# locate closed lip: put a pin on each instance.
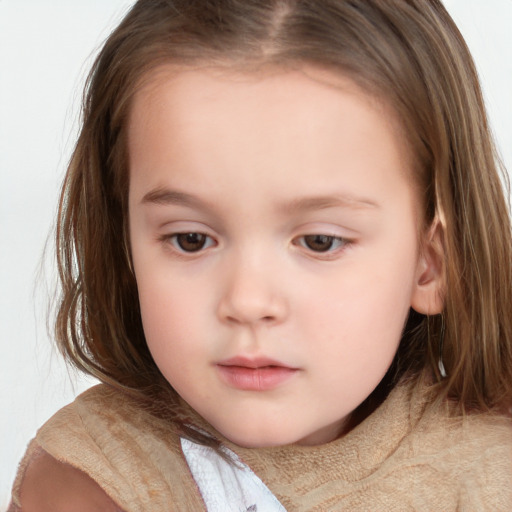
(254, 373)
(254, 362)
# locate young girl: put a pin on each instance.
(284, 249)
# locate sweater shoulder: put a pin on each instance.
(52, 486)
(471, 434)
(133, 456)
(472, 454)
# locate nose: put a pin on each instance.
(251, 294)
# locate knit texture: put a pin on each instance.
(405, 456)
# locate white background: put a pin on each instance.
(46, 48)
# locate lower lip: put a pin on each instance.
(255, 379)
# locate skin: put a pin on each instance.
(53, 486)
(256, 164)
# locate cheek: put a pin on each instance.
(357, 337)
(167, 333)
(178, 335)
(165, 310)
(165, 296)
(364, 310)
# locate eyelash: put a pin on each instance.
(174, 241)
(334, 244)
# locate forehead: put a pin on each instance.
(303, 87)
(213, 118)
(307, 89)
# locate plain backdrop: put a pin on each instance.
(46, 48)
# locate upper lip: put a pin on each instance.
(252, 362)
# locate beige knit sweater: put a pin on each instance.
(400, 458)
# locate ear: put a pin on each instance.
(429, 287)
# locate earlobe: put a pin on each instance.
(429, 287)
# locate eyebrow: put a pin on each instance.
(165, 196)
(334, 201)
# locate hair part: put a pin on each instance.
(408, 53)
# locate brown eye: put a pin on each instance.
(190, 242)
(322, 243)
(319, 243)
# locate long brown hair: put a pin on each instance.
(410, 54)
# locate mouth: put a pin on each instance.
(254, 374)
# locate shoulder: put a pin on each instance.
(106, 433)
(107, 443)
(97, 420)
(487, 439)
(439, 429)
(478, 434)
(472, 452)
(467, 459)
(53, 486)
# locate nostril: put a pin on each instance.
(251, 305)
(265, 319)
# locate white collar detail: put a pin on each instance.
(225, 486)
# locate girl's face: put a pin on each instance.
(274, 229)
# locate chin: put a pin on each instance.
(251, 438)
(263, 442)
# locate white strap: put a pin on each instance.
(225, 486)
